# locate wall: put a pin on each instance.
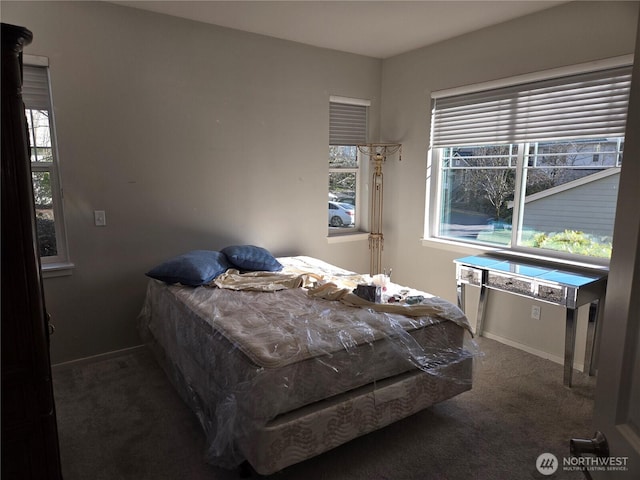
(189, 136)
(616, 412)
(177, 129)
(572, 33)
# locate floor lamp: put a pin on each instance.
(378, 153)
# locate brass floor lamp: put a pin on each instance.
(378, 152)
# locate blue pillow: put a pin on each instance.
(251, 258)
(194, 268)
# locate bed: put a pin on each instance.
(279, 374)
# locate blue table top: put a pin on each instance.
(564, 276)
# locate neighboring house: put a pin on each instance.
(547, 211)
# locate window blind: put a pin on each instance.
(347, 124)
(587, 105)
(35, 87)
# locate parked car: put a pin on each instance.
(498, 224)
(350, 200)
(341, 214)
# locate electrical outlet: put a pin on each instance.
(100, 218)
(535, 312)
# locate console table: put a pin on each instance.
(568, 287)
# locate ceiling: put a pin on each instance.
(377, 29)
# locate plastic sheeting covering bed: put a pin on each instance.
(278, 377)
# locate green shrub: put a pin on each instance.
(570, 241)
(46, 237)
(573, 241)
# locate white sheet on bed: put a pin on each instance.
(240, 358)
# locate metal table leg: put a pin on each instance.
(569, 345)
(460, 292)
(481, 306)
(592, 328)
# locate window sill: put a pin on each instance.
(62, 269)
(348, 237)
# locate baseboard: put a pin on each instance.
(95, 358)
(533, 351)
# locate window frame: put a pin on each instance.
(58, 264)
(434, 180)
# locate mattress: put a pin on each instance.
(245, 361)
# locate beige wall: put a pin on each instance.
(574, 33)
(189, 136)
(193, 136)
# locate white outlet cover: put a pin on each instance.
(535, 312)
(100, 218)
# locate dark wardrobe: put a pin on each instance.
(29, 432)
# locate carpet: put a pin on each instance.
(119, 418)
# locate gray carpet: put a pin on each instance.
(120, 419)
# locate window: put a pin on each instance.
(531, 167)
(44, 166)
(347, 129)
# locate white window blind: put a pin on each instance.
(35, 88)
(586, 105)
(347, 124)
